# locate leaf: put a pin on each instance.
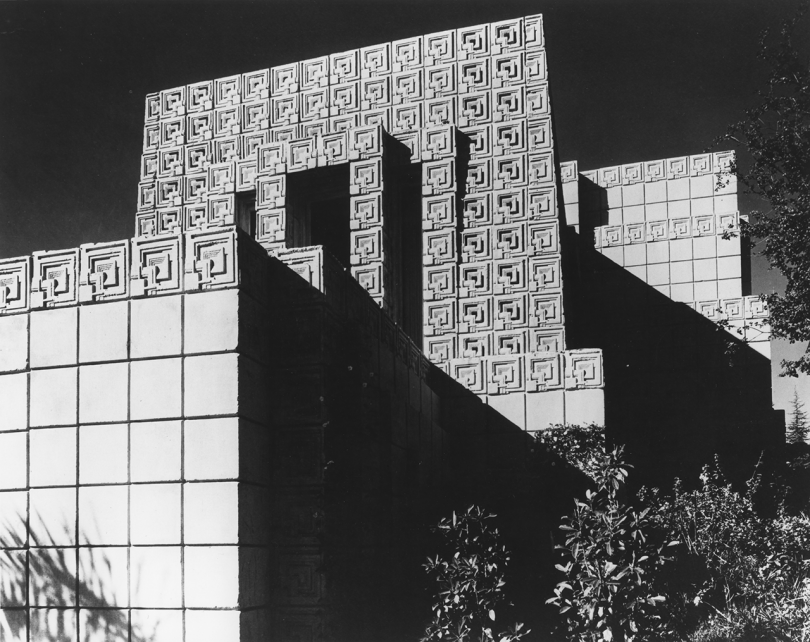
(492, 615)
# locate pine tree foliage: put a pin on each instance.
(776, 135)
(797, 428)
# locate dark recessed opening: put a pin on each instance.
(318, 210)
(318, 207)
(410, 199)
(329, 226)
(246, 211)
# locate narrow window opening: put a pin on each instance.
(246, 212)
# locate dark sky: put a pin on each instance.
(630, 81)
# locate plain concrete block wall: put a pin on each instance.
(211, 513)
(584, 407)
(156, 576)
(13, 460)
(211, 322)
(104, 332)
(103, 391)
(54, 397)
(159, 626)
(211, 449)
(104, 454)
(13, 401)
(155, 514)
(52, 516)
(156, 389)
(157, 329)
(121, 452)
(211, 576)
(155, 451)
(52, 457)
(211, 385)
(54, 337)
(14, 343)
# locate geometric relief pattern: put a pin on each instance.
(103, 271)
(53, 278)
(120, 269)
(15, 283)
(156, 265)
(674, 223)
(210, 260)
(471, 105)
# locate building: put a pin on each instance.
(356, 283)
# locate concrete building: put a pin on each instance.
(356, 283)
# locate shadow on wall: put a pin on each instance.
(45, 578)
(679, 388)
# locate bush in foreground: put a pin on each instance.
(697, 565)
(469, 578)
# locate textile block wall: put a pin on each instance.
(132, 446)
(441, 147)
(212, 459)
(357, 282)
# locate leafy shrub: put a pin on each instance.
(737, 575)
(581, 446)
(470, 578)
(610, 562)
(701, 565)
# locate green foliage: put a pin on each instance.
(610, 562)
(737, 575)
(797, 428)
(776, 135)
(470, 578)
(581, 446)
(698, 565)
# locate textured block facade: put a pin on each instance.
(356, 282)
(674, 224)
(466, 115)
